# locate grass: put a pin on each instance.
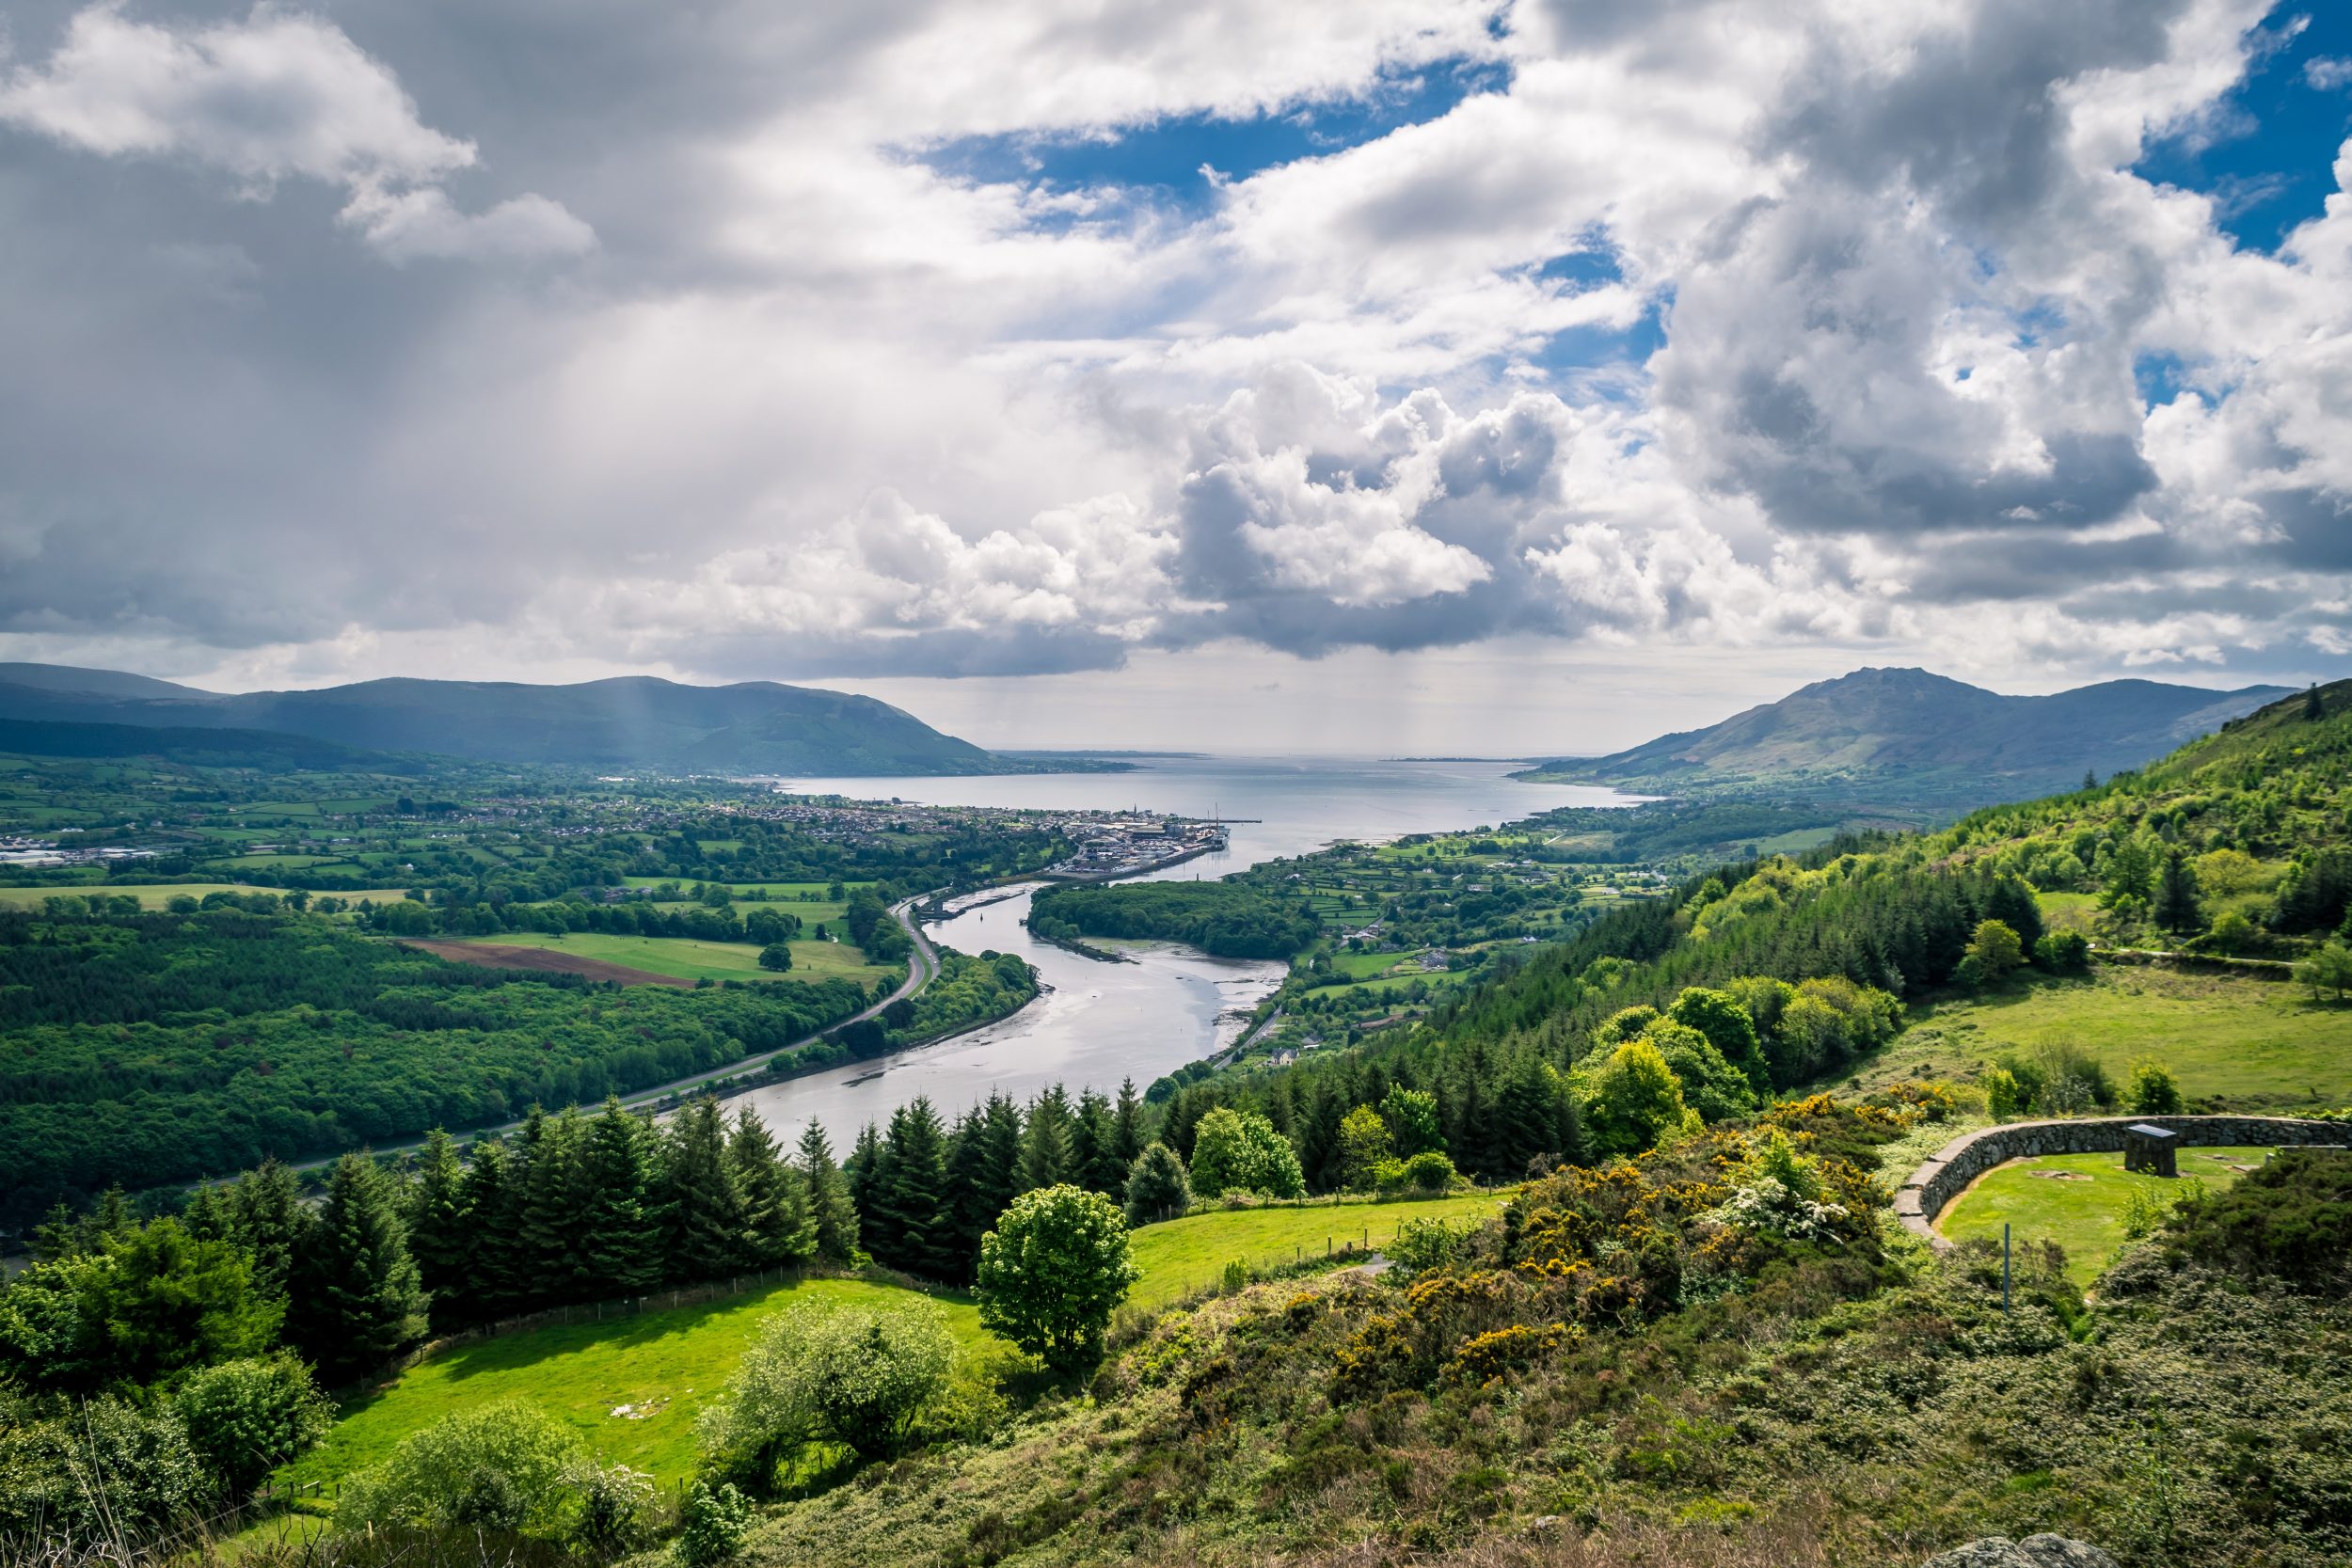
(1181, 1256)
(672, 1362)
(2082, 1206)
(779, 893)
(693, 959)
(669, 1362)
(2231, 1041)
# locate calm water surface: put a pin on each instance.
(1098, 1022)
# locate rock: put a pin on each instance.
(2035, 1551)
(2057, 1551)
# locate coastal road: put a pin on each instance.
(922, 968)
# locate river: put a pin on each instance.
(1098, 1022)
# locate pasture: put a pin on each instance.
(688, 958)
(2082, 1201)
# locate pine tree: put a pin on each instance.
(1319, 1137)
(441, 1236)
(776, 1218)
(206, 1216)
(358, 1301)
(550, 1239)
(1094, 1162)
(831, 1209)
(272, 1223)
(1045, 1145)
(2091, 780)
(496, 1282)
(2313, 709)
(707, 1239)
(1127, 1130)
(2178, 910)
(621, 1228)
(866, 1172)
(912, 1191)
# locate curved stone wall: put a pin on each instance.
(1940, 1180)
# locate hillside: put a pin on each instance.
(627, 724)
(1884, 734)
(267, 750)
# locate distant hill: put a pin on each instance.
(631, 724)
(1883, 734)
(203, 748)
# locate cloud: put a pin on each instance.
(1713, 325)
(279, 96)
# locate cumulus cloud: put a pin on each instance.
(279, 95)
(1705, 324)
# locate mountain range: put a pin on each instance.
(630, 724)
(1881, 733)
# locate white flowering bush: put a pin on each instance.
(1778, 1192)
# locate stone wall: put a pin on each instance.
(1940, 1180)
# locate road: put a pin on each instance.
(922, 967)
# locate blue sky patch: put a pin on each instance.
(2274, 139)
(1162, 162)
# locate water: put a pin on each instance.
(1097, 1023)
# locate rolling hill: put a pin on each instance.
(1881, 733)
(633, 723)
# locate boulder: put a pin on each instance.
(2035, 1551)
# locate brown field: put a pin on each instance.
(540, 959)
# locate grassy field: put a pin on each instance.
(2233, 1041)
(665, 1364)
(1184, 1255)
(690, 960)
(2078, 1200)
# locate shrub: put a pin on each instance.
(1053, 1271)
(247, 1418)
(2153, 1093)
(713, 1524)
(105, 1470)
(858, 1375)
(2063, 953)
(2004, 1097)
(507, 1465)
(1157, 1188)
(615, 1506)
(1241, 1150)
(2291, 1220)
(1423, 1244)
(1428, 1172)
(1365, 1147)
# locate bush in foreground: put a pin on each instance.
(855, 1376)
(506, 1467)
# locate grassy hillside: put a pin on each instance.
(1907, 733)
(690, 960)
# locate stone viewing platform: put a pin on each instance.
(1941, 1178)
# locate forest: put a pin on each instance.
(155, 1047)
(1229, 919)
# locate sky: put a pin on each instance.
(1422, 375)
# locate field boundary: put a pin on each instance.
(1930, 1189)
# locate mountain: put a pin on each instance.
(1883, 733)
(268, 752)
(634, 723)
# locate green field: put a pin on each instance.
(669, 1362)
(2078, 1200)
(1182, 1255)
(2239, 1042)
(693, 959)
(778, 893)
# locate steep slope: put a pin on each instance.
(630, 723)
(1876, 731)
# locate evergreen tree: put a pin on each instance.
(1320, 1151)
(2178, 910)
(496, 1282)
(865, 1173)
(776, 1218)
(2313, 709)
(912, 1191)
(1094, 1160)
(966, 1158)
(549, 1242)
(358, 1300)
(441, 1236)
(206, 1216)
(1046, 1147)
(1156, 1186)
(2091, 780)
(621, 1212)
(1127, 1130)
(831, 1212)
(272, 1222)
(706, 1238)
